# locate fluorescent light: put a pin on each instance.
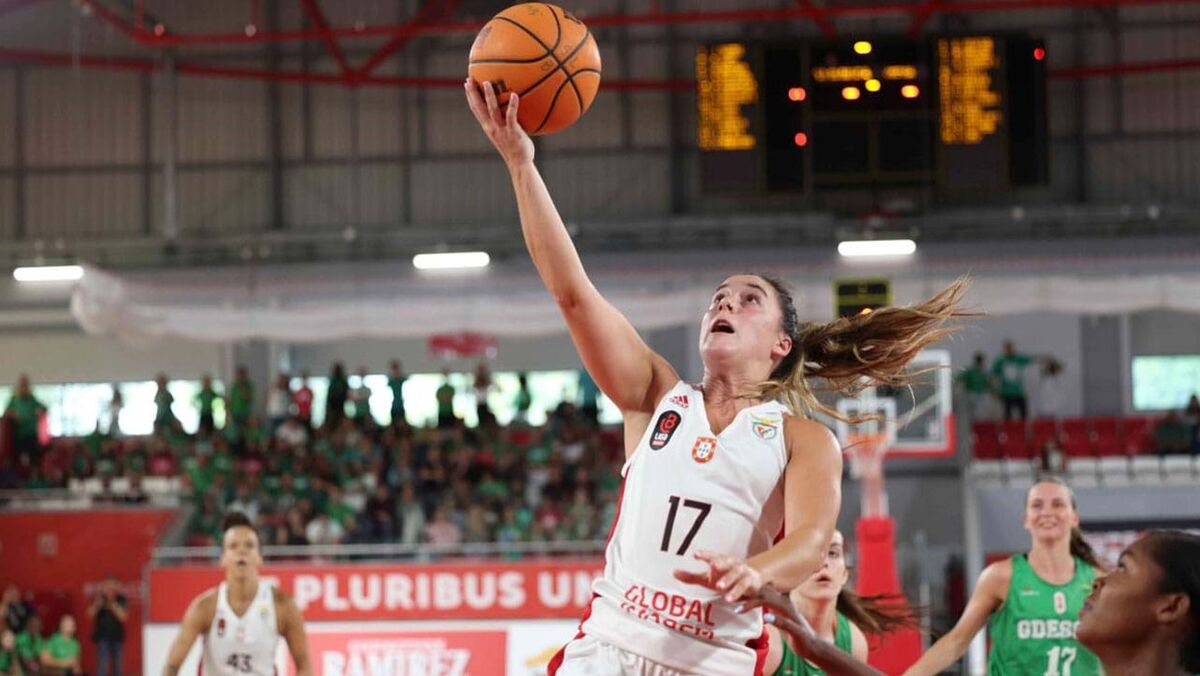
(877, 247)
(451, 261)
(48, 273)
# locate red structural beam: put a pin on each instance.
(430, 10)
(189, 68)
(313, 10)
(800, 12)
(823, 24)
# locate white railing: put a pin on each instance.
(392, 551)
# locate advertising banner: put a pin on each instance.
(392, 592)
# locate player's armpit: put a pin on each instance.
(812, 499)
(292, 629)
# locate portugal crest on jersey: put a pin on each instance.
(704, 449)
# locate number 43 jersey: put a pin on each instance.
(237, 646)
(687, 489)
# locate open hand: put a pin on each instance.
(727, 574)
(501, 126)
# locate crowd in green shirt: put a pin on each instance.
(26, 651)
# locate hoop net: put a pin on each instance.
(867, 451)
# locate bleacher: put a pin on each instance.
(1093, 451)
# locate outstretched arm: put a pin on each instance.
(620, 362)
(195, 622)
(988, 596)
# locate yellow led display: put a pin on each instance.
(842, 73)
(970, 102)
(725, 84)
(900, 73)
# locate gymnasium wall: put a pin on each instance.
(82, 155)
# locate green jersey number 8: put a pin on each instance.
(1060, 660)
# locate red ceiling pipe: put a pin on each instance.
(729, 16)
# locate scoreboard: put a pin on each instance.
(962, 116)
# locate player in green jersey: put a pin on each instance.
(1144, 617)
(1033, 599)
(839, 615)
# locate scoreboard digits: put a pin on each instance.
(725, 85)
(957, 117)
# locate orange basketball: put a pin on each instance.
(545, 55)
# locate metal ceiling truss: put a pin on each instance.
(435, 17)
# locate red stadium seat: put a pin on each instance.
(1076, 438)
(1014, 440)
(1043, 429)
(985, 439)
(1137, 435)
(1107, 437)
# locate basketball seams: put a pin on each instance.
(558, 32)
(561, 64)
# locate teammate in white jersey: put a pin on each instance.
(241, 620)
(714, 472)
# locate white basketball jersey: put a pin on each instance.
(237, 646)
(687, 489)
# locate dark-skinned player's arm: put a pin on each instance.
(195, 622)
(623, 366)
(812, 499)
(291, 628)
(821, 653)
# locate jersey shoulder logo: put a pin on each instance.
(765, 428)
(704, 449)
(680, 400)
(1028, 591)
(220, 627)
(664, 429)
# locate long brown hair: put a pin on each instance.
(876, 615)
(1079, 546)
(851, 354)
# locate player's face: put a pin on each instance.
(1048, 512)
(743, 320)
(828, 581)
(1121, 607)
(240, 556)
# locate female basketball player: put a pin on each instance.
(242, 619)
(839, 615)
(707, 466)
(1144, 617)
(1033, 599)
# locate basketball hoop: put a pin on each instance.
(867, 452)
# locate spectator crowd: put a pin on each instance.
(351, 479)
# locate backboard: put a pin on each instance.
(917, 420)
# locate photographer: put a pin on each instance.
(108, 627)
